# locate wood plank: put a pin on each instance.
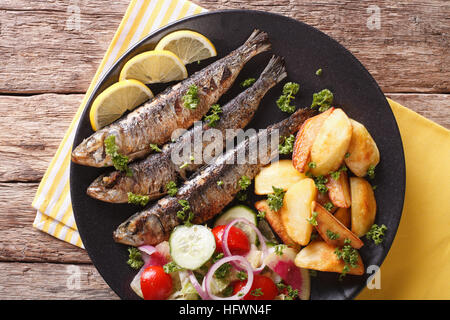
(409, 53)
(19, 241)
(46, 117)
(42, 281)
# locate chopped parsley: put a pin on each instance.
(322, 99)
(244, 182)
(257, 292)
(319, 72)
(185, 214)
(376, 233)
(224, 270)
(171, 188)
(313, 220)
(171, 267)
(332, 236)
(371, 172)
(137, 199)
(336, 174)
(312, 165)
(213, 117)
(287, 145)
(347, 155)
(135, 258)
(328, 206)
(190, 99)
(155, 147)
(291, 294)
(290, 89)
(220, 183)
(374, 187)
(275, 199)
(241, 275)
(119, 161)
(349, 255)
(247, 82)
(320, 182)
(279, 249)
(261, 215)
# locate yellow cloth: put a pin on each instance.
(418, 265)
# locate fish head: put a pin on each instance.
(91, 152)
(112, 187)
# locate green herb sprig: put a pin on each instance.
(119, 161)
(290, 89)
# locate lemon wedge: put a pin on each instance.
(157, 66)
(112, 103)
(188, 45)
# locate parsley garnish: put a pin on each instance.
(287, 145)
(336, 174)
(119, 161)
(244, 182)
(171, 267)
(223, 271)
(318, 72)
(275, 200)
(171, 188)
(185, 214)
(190, 99)
(312, 165)
(261, 215)
(371, 172)
(279, 249)
(135, 258)
(137, 199)
(322, 99)
(155, 147)
(241, 275)
(220, 183)
(313, 220)
(290, 89)
(247, 82)
(320, 182)
(332, 236)
(328, 206)
(257, 292)
(213, 116)
(376, 233)
(347, 155)
(349, 255)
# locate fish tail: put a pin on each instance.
(257, 42)
(275, 69)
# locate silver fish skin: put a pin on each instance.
(152, 174)
(205, 197)
(154, 121)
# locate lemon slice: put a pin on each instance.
(188, 45)
(154, 67)
(111, 104)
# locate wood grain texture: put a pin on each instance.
(409, 53)
(19, 241)
(42, 281)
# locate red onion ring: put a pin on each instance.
(215, 266)
(202, 293)
(148, 251)
(261, 238)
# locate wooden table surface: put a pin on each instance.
(45, 70)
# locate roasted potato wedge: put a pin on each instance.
(305, 139)
(343, 215)
(274, 219)
(364, 206)
(296, 210)
(328, 226)
(280, 174)
(339, 191)
(323, 199)
(331, 144)
(362, 149)
(319, 255)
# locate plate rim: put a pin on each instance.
(105, 77)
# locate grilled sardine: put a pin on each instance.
(205, 196)
(151, 175)
(154, 122)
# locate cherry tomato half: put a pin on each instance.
(155, 283)
(237, 240)
(263, 288)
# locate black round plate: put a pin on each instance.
(305, 50)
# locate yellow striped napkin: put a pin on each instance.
(52, 200)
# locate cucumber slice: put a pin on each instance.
(236, 212)
(191, 247)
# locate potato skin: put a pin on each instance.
(364, 206)
(343, 215)
(280, 174)
(362, 149)
(304, 140)
(296, 210)
(331, 144)
(319, 255)
(339, 191)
